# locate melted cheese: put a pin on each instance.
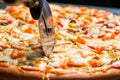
(99, 43)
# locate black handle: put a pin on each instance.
(37, 9)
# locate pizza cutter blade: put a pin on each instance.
(47, 33)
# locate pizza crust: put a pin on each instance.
(112, 74)
(10, 72)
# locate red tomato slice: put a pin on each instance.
(80, 40)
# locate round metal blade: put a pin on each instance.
(47, 33)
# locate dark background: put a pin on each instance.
(103, 3)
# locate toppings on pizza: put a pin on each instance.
(87, 41)
(93, 35)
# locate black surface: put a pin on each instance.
(104, 3)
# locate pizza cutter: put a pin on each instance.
(40, 11)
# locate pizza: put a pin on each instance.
(87, 45)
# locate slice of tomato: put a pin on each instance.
(93, 63)
(17, 54)
(9, 21)
(80, 40)
(28, 30)
(31, 21)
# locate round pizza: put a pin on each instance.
(87, 45)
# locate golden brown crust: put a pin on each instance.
(112, 74)
(10, 72)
